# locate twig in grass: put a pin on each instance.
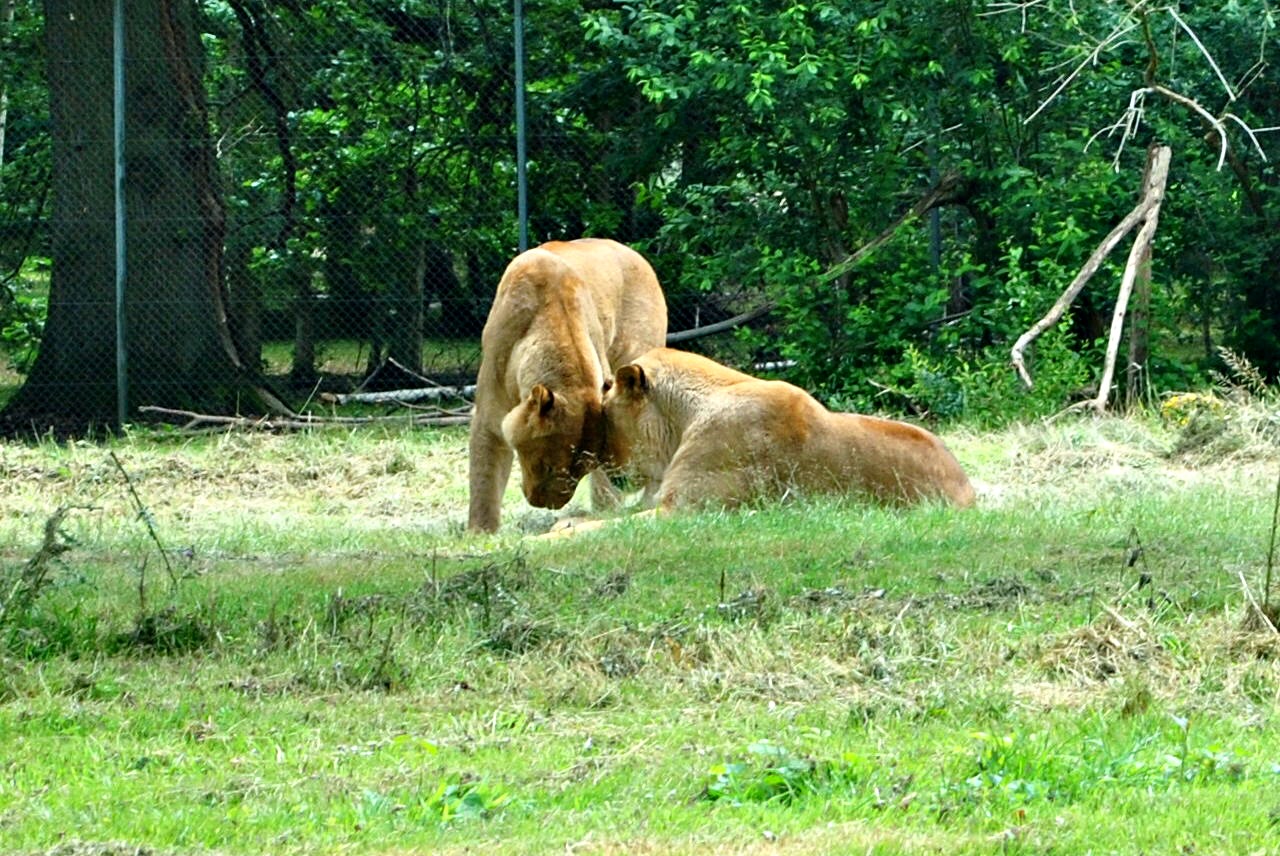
(31, 580)
(145, 515)
(1271, 549)
(142, 587)
(380, 675)
(1259, 611)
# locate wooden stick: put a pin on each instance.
(1091, 265)
(949, 188)
(398, 396)
(721, 326)
(298, 421)
(1154, 179)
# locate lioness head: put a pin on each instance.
(624, 403)
(558, 438)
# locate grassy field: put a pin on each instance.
(321, 661)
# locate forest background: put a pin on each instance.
(892, 192)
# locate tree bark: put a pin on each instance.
(179, 345)
(405, 316)
(7, 8)
(1137, 387)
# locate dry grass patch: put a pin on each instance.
(1111, 645)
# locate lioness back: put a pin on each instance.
(715, 435)
(895, 461)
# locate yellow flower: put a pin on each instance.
(1181, 407)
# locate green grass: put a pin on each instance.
(339, 669)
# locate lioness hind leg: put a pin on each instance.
(489, 462)
(687, 487)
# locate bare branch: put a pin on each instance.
(1194, 106)
(296, 422)
(948, 189)
(1001, 8)
(1091, 266)
(1154, 180)
(1091, 57)
(1251, 75)
(920, 142)
(721, 326)
(1231, 96)
(144, 514)
(398, 396)
(1248, 131)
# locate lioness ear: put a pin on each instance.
(632, 379)
(543, 398)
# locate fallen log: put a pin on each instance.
(297, 421)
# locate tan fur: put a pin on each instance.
(697, 433)
(565, 313)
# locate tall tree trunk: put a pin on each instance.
(405, 346)
(1136, 374)
(261, 56)
(244, 303)
(304, 372)
(7, 8)
(180, 351)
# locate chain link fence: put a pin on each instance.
(327, 192)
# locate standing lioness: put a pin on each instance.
(699, 433)
(564, 315)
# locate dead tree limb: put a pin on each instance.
(398, 396)
(1138, 215)
(949, 188)
(298, 421)
(144, 514)
(1154, 180)
(721, 326)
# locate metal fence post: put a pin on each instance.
(522, 185)
(122, 361)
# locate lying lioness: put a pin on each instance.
(695, 432)
(564, 315)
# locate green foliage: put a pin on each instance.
(771, 773)
(21, 328)
(1020, 768)
(748, 150)
(458, 800)
(823, 120)
(985, 392)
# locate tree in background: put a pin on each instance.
(24, 179)
(907, 185)
(827, 120)
(179, 348)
